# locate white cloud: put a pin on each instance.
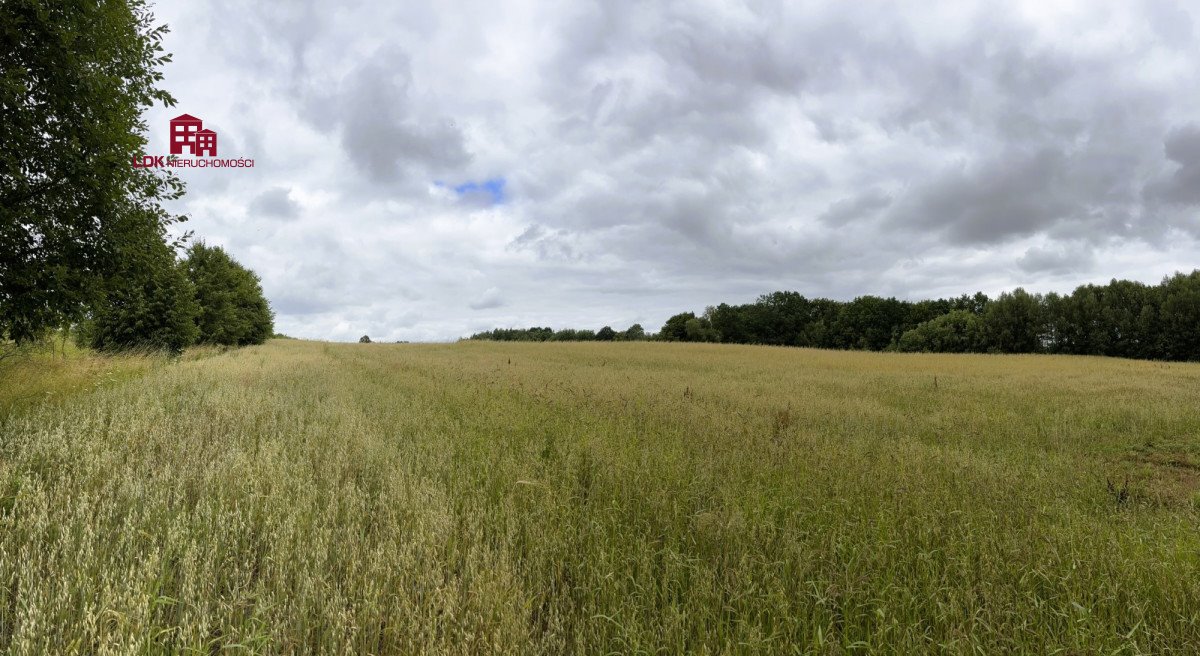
(659, 157)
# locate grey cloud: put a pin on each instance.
(857, 207)
(978, 92)
(272, 40)
(371, 109)
(1182, 145)
(275, 202)
(1170, 21)
(301, 305)
(489, 299)
(990, 201)
(1182, 187)
(1061, 259)
(694, 76)
(1091, 193)
(663, 156)
(546, 244)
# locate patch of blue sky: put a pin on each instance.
(491, 190)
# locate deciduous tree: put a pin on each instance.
(75, 77)
(233, 310)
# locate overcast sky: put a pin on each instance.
(427, 170)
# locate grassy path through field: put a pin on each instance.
(619, 498)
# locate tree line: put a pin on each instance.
(1121, 319)
(84, 242)
(536, 334)
(169, 304)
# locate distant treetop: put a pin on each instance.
(1121, 319)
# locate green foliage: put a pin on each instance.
(957, 331)
(74, 79)
(150, 304)
(675, 329)
(699, 329)
(1180, 317)
(1122, 319)
(583, 335)
(536, 334)
(1015, 322)
(365, 339)
(233, 310)
(869, 322)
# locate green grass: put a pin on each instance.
(481, 498)
(55, 371)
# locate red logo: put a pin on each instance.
(187, 133)
(188, 136)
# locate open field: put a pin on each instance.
(606, 498)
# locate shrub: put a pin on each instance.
(233, 310)
(958, 331)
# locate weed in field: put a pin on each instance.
(1120, 494)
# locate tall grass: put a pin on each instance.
(483, 498)
(58, 369)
